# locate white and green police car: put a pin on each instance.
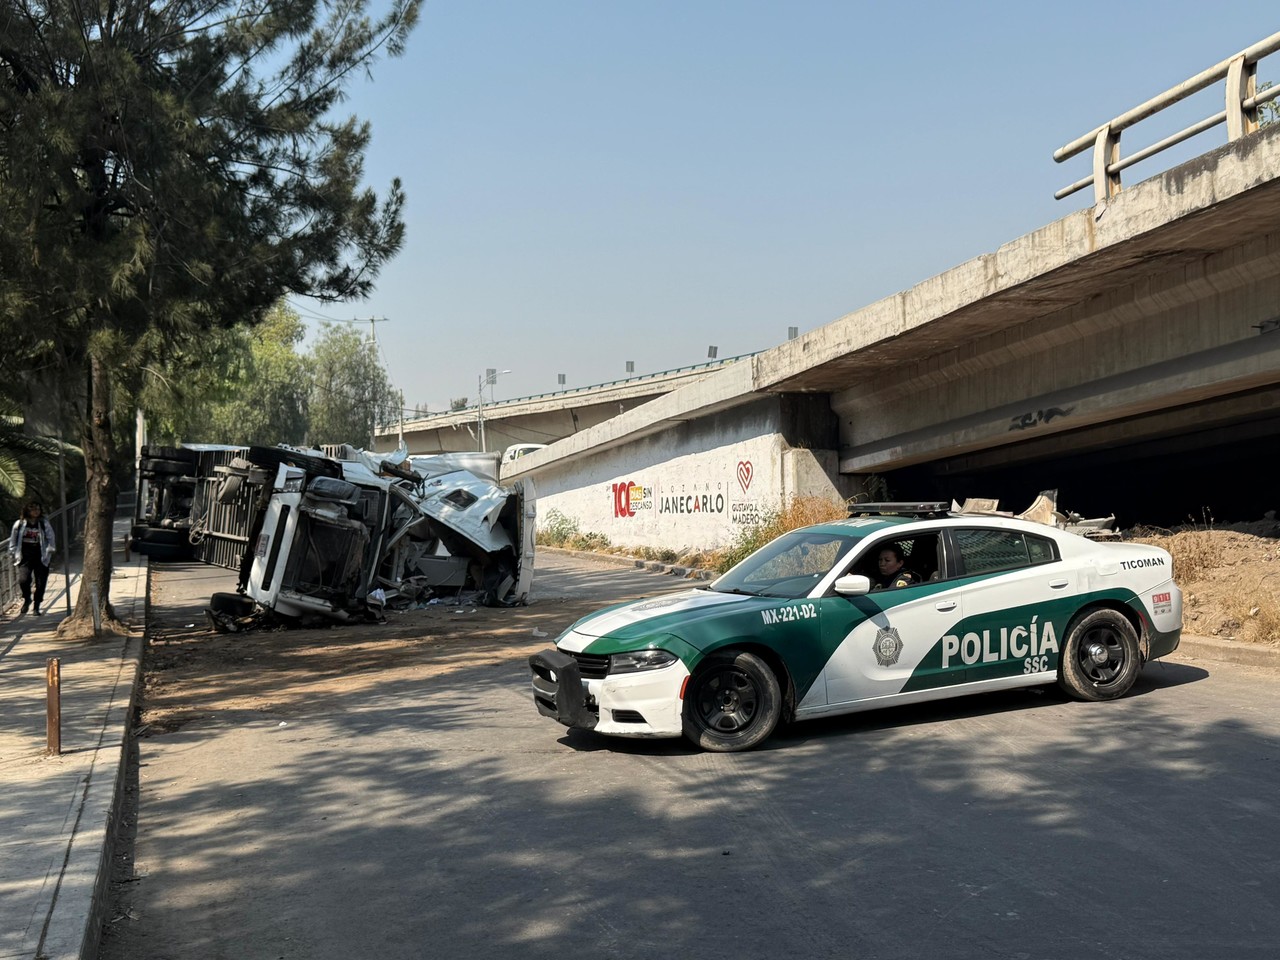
(797, 630)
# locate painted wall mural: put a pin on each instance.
(679, 490)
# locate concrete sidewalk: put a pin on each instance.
(57, 814)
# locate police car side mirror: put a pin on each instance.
(853, 585)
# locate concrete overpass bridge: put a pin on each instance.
(543, 418)
(1093, 353)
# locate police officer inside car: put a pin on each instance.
(890, 570)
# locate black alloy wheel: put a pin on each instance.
(732, 703)
(1101, 657)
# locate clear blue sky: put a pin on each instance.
(596, 181)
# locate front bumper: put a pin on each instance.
(643, 704)
(558, 690)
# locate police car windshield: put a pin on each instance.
(788, 567)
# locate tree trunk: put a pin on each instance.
(100, 509)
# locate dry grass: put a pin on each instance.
(1253, 606)
(1230, 582)
(1195, 552)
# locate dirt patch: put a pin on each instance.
(192, 672)
(1230, 579)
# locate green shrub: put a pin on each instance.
(556, 529)
(591, 540)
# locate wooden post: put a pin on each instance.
(53, 705)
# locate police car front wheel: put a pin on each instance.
(732, 703)
(1101, 658)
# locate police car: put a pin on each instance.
(801, 629)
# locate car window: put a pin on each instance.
(1040, 549)
(988, 551)
(804, 559)
(788, 567)
(919, 558)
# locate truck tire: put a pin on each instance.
(158, 536)
(232, 604)
(166, 468)
(180, 454)
(272, 457)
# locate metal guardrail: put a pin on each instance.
(470, 409)
(1240, 114)
(75, 530)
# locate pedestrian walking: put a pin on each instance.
(31, 546)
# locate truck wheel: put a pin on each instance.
(272, 457)
(158, 536)
(733, 702)
(232, 604)
(166, 468)
(1100, 659)
(181, 454)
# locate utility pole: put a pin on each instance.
(373, 339)
(489, 378)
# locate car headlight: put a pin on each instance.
(640, 660)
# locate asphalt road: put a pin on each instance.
(442, 817)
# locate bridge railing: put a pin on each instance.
(571, 391)
(1240, 114)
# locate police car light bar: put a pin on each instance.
(909, 509)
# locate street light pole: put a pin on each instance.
(489, 378)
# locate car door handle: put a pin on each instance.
(945, 605)
(1059, 584)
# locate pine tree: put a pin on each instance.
(168, 169)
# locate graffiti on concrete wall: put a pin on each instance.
(692, 499)
(693, 494)
(631, 498)
(1034, 418)
(745, 512)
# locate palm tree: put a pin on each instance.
(26, 463)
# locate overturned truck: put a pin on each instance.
(338, 532)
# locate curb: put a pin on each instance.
(656, 566)
(1229, 651)
(77, 913)
(73, 924)
(103, 813)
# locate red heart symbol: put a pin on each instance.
(744, 474)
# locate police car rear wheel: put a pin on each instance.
(1100, 659)
(733, 702)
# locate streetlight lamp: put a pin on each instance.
(489, 378)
